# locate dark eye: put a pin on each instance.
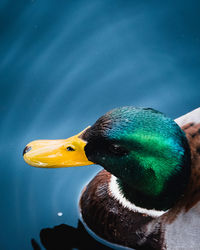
(117, 150)
(70, 149)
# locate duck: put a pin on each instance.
(148, 194)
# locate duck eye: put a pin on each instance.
(70, 149)
(117, 150)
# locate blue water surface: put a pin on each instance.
(65, 63)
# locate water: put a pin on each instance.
(65, 63)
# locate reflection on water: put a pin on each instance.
(67, 237)
(65, 64)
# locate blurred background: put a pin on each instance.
(65, 63)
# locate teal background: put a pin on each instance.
(65, 63)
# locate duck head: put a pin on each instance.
(146, 151)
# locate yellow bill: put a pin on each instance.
(57, 153)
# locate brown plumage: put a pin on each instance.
(107, 218)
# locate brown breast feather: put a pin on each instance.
(105, 216)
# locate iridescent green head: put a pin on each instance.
(145, 150)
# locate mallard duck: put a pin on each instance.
(148, 195)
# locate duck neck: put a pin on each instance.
(173, 190)
(141, 199)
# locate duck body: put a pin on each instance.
(147, 196)
(111, 216)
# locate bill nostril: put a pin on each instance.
(27, 148)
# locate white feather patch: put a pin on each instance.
(193, 116)
(117, 194)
